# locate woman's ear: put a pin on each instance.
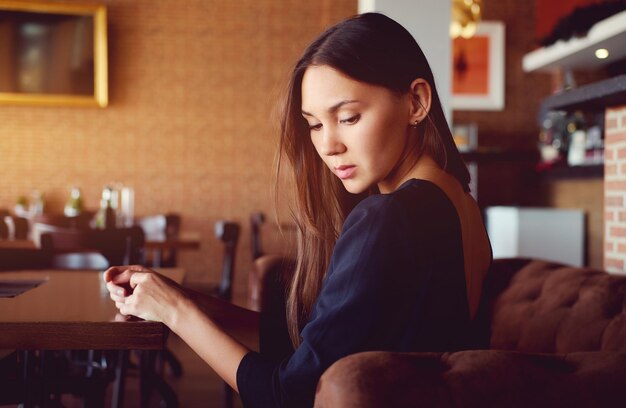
(420, 94)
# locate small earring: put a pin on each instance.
(414, 124)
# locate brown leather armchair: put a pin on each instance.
(556, 338)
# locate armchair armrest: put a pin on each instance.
(475, 378)
(268, 283)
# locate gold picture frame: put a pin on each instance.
(40, 68)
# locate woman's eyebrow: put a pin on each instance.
(333, 108)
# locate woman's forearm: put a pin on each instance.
(218, 331)
(238, 322)
(209, 340)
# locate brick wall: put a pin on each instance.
(615, 190)
(193, 86)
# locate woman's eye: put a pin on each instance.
(316, 126)
(351, 120)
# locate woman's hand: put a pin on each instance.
(143, 293)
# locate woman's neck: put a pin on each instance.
(425, 168)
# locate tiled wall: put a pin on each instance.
(193, 86)
(615, 190)
(585, 194)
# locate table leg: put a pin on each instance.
(150, 380)
(156, 258)
(117, 400)
(29, 377)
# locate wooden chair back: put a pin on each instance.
(161, 227)
(81, 221)
(20, 227)
(120, 246)
(4, 229)
(228, 233)
(270, 237)
(256, 222)
(13, 259)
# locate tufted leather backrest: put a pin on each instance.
(552, 308)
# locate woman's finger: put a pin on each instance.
(129, 309)
(137, 278)
(121, 274)
(110, 273)
(116, 298)
(119, 305)
(116, 290)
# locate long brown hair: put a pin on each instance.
(370, 48)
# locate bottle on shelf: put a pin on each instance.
(586, 145)
(106, 215)
(127, 203)
(576, 139)
(74, 205)
(573, 139)
(21, 208)
(553, 138)
(37, 203)
(595, 140)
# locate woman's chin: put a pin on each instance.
(354, 187)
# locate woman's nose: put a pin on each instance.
(331, 143)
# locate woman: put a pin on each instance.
(402, 270)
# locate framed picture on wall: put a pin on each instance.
(465, 136)
(53, 54)
(478, 69)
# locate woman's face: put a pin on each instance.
(359, 130)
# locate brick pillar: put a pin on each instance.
(615, 190)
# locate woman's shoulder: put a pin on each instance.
(414, 201)
(412, 194)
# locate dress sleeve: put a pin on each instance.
(367, 297)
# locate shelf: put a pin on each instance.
(574, 172)
(579, 53)
(493, 155)
(593, 97)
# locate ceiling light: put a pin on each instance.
(602, 53)
(466, 15)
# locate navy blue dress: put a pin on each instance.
(396, 282)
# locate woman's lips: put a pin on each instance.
(344, 172)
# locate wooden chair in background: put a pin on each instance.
(161, 227)
(4, 228)
(271, 269)
(20, 226)
(271, 237)
(81, 221)
(15, 259)
(92, 249)
(228, 233)
(257, 220)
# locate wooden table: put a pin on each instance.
(17, 244)
(157, 243)
(186, 240)
(72, 310)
